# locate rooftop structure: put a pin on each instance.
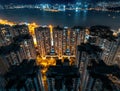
(108, 75)
(10, 48)
(25, 76)
(106, 39)
(63, 77)
(103, 32)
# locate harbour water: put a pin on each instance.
(64, 18)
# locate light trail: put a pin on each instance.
(51, 34)
(32, 27)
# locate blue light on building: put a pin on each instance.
(76, 10)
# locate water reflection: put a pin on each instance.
(77, 17)
(85, 15)
(80, 17)
(66, 18)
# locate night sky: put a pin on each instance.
(46, 1)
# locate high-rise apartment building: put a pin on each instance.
(20, 29)
(8, 32)
(5, 35)
(22, 48)
(63, 77)
(116, 59)
(24, 77)
(27, 46)
(77, 36)
(9, 55)
(43, 38)
(59, 41)
(85, 53)
(104, 37)
(95, 75)
(102, 77)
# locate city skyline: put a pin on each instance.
(50, 1)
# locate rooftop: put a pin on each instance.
(22, 37)
(42, 28)
(58, 28)
(1, 25)
(10, 48)
(103, 32)
(17, 74)
(20, 26)
(26, 68)
(89, 48)
(102, 71)
(63, 70)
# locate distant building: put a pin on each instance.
(24, 77)
(63, 77)
(61, 7)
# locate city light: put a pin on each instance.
(87, 32)
(6, 22)
(115, 34)
(32, 27)
(51, 34)
(76, 9)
